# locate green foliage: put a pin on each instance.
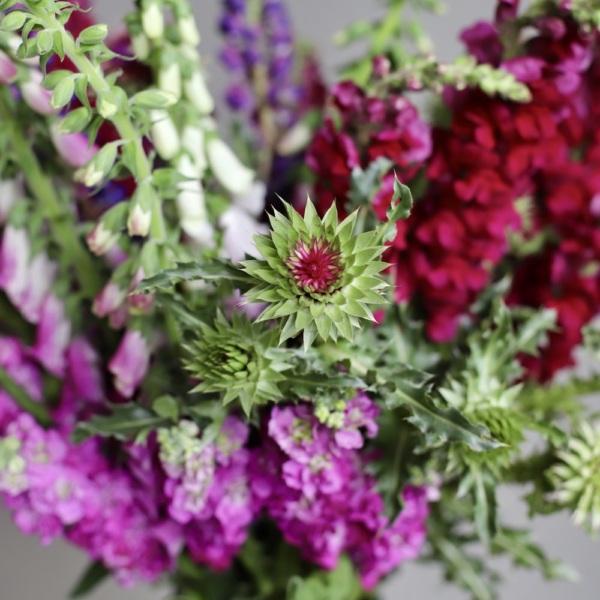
(91, 578)
(125, 422)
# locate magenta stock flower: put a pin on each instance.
(130, 363)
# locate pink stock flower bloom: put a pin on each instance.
(130, 363)
(53, 336)
(73, 148)
(317, 492)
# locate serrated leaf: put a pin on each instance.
(438, 424)
(124, 423)
(400, 208)
(215, 270)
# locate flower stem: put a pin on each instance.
(42, 187)
(121, 120)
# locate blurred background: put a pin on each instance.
(31, 572)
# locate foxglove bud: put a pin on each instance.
(169, 77)
(140, 46)
(73, 148)
(192, 141)
(130, 363)
(140, 303)
(197, 93)
(107, 231)
(191, 207)
(153, 22)
(107, 104)
(99, 166)
(295, 139)
(9, 192)
(140, 210)
(188, 30)
(164, 134)
(234, 176)
(36, 96)
(8, 69)
(110, 299)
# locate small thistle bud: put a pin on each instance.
(577, 477)
(316, 275)
(237, 360)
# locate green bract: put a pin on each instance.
(316, 274)
(237, 360)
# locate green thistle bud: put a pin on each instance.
(237, 360)
(577, 477)
(317, 275)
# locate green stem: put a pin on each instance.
(121, 120)
(22, 398)
(42, 187)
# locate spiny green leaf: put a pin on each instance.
(216, 270)
(124, 423)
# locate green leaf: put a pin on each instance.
(400, 208)
(485, 507)
(22, 398)
(216, 270)
(124, 423)
(166, 407)
(14, 20)
(90, 579)
(438, 424)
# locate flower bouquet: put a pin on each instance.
(279, 362)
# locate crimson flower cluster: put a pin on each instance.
(510, 186)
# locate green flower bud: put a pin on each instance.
(237, 361)
(577, 477)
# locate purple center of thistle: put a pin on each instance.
(315, 266)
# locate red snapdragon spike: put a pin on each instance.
(315, 266)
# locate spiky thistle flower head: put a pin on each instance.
(238, 361)
(577, 477)
(316, 274)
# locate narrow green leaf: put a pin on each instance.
(95, 574)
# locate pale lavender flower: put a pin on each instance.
(130, 363)
(53, 335)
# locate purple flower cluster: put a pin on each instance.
(260, 53)
(56, 489)
(208, 491)
(314, 485)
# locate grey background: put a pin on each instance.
(31, 572)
